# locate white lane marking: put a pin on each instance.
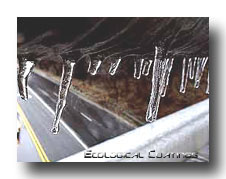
(29, 96)
(86, 116)
(45, 93)
(72, 132)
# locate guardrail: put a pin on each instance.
(172, 138)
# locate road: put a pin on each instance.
(26, 151)
(83, 125)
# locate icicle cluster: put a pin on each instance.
(192, 68)
(188, 70)
(160, 80)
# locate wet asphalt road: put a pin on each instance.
(84, 123)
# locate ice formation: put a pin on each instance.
(207, 87)
(114, 66)
(94, 65)
(24, 70)
(185, 73)
(138, 65)
(62, 95)
(146, 67)
(201, 63)
(161, 72)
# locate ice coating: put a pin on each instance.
(114, 66)
(207, 87)
(166, 75)
(201, 63)
(25, 68)
(146, 67)
(138, 65)
(62, 95)
(94, 65)
(157, 79)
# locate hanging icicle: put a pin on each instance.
(25, 68)
(207, 87)
(201, 63)
(192, 69)
(185, 74)
(94, 65)
(146, 67)
(157, 84)
(138, 65)
(191, 75)
(114, 66)
(166, 75)
(62, 95)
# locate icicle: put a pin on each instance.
(185, 74)
(25, 68)
(166, 75)
(158, 68)
(197, 74)
(191, 74)
(201, 63)
(94, 65)
(62, 95)
(146, 67)
(138, 65)
(207, 87)
(192, 69)
(182, 85)
(114, 66)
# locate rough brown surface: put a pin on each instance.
(126, 96)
